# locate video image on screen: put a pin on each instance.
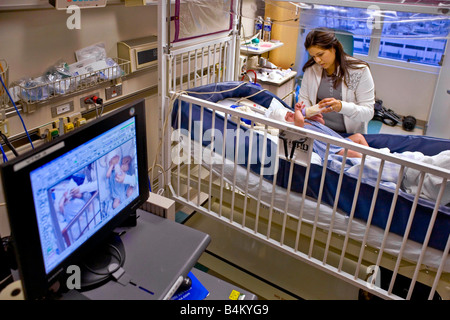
(88, 191)
(90, 195)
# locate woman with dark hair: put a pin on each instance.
(341, 85)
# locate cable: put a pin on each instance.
(101, 110)
(17, 110)
(5, 159)
(246, 74)
(151, 169)
(96, 101)
(8, 143)
(287, 20)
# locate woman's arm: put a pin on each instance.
(363, 107)
(304, 96)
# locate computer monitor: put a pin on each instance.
(65, 198)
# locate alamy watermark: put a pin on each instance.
(217, 146)
(73, 281)
(74, 20)
(374, 22)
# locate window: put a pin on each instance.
(353, 20)
(428, 33)
(398, 36)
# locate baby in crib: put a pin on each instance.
(119, 190)
(314, 124)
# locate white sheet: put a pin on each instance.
(389, 177)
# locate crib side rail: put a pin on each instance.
(192, 174)
(203, 63)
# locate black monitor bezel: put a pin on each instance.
(23, 223)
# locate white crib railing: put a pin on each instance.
(292, 234)
(200, 64)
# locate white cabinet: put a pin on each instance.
(283, 87)
(279, 82)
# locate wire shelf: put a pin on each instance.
(32, 92)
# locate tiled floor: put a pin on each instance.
(397, 129)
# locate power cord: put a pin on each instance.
(8, 143)
(95, 101)
(5, 159)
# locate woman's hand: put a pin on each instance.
(330, 104)
(114, 160)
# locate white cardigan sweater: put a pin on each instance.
(358, 96)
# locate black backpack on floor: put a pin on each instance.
(387, 116)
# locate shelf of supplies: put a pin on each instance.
(278, 81)
(32, 92)
(263, 47)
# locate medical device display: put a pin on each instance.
(141, 52)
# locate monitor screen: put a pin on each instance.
(77, 193)
(68, 195)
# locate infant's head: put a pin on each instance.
(282, 114)
(125, 165)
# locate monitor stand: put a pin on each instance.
(97, 268)
(160, 254)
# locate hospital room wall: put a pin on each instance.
(33, 40)
(407, 91)
(286, 32)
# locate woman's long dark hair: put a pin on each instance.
(326, 39)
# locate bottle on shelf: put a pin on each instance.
(267, 29)
(259, 26)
